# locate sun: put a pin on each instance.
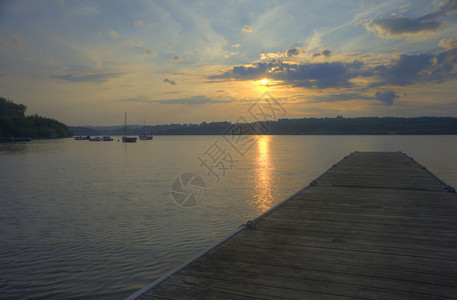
(264, 81)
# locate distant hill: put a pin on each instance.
(14, 123)
(83, 131)
(308, 126)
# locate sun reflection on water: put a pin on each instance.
(264, 169)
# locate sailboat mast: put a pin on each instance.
(125, 124)
(125, 138)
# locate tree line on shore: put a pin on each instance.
(304, 126)
(14, 123)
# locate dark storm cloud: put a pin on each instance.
(417, 68)
(400, 25)
(321, 75)
(406, 70)
(386, 97)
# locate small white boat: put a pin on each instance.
(145, 136)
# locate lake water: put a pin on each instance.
(82, 219)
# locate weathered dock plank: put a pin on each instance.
(376, 225)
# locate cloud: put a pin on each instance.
(227, 55)
(417, 68)
(403, 70)
(133, 43)
(236, 45)
(314, 41)
(97, 78)
(139, 99)
(386, 97)
(173, 92)
(341, 97)
(294, 52)
(309, 75)
(271, 55)
(446, 7)
(326, 53)
(448, 44)
(322, 75)
(150, 52)
(407, 69)
(399, 25)
(194, 100)
(138, 23)
(172, 82)
(244, 73)
(177, 58)
(113, 34)
(246, 28)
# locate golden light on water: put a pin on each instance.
(264, 169)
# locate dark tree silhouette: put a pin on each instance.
(14, 123)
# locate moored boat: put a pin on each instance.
(26, 139)
(82, 138)
(145, 137)
(125, 138)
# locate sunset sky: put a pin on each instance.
(88, 62)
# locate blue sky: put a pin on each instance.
(86, 62)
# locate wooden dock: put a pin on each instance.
(377, 225)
